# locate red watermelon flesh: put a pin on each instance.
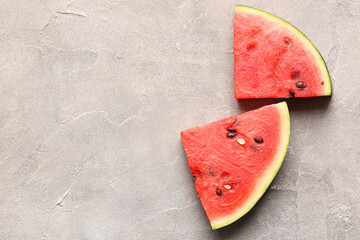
(234, 160)
(273, 59)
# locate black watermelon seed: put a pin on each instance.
(295, 75)
(218, 192)
(194, 178)
(231, 134)
(231, 130)
(286, 42)
(258, 139)
(301, 85)
(291, 94)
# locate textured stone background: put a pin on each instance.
(93, 97)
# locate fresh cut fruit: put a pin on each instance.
(273, 59)
(234, 160)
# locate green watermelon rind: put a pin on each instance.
(269, 175)
(307, 42)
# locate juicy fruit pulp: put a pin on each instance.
(273, 59)
(232, 171)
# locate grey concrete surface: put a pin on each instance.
(93, 97)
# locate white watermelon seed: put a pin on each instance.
(227, 186)
(241, 141)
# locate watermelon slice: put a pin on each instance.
(273, 59)
(234, 160)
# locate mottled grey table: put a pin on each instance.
(94, 94)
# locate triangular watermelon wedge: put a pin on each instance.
(234, 160)
(273, 59)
